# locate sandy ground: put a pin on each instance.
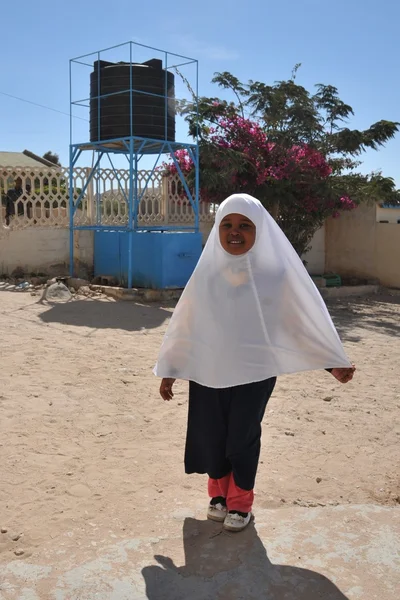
(86, 443)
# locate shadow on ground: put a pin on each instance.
(370, 313)
(349, 314)
(97, 314)
(223, 566)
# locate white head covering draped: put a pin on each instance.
(246, 318)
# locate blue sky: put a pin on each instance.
(352, 44)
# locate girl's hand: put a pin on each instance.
(166, 388)
(344, 375)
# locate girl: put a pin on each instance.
(249, 313)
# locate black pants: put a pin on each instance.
(224, 430)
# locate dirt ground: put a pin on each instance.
(85, 437)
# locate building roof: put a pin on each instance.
(25, 159)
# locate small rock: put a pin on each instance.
(38, 281)
(323, 432)
(96, 281)
(16, 537)
(50, 404)
(69, 473)
(76, 283)
(318, 480)
(328, 398)
(289, 433)
(84, 290)
(18, 552)
(3, 530)
(58, 292)
(160, 491)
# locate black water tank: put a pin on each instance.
(148, 112)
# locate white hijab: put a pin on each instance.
(246, 318)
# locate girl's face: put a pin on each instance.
(237, 234)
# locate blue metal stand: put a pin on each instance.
(134, 148)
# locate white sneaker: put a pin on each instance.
(235, 521)
(217, 511)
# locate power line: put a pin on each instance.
(42, 106)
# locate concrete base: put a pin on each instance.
(159, 260)
(150, 295)
(348, 291)
(138, 294)
(331, 553)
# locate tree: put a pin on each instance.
(52, 157)
(288, 147)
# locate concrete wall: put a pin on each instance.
(315, 258)
(387, 254)
(388, 214)
(38, 249)
(350, 243)
(358, 246)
